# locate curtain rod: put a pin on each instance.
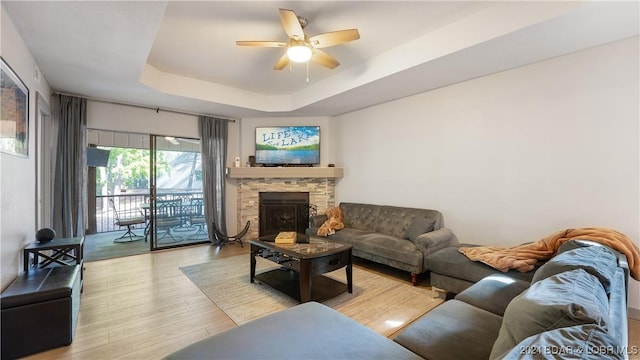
(156, 109)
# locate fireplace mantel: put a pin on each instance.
(284, 172)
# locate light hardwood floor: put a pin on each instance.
(143, 307)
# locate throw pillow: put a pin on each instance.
(419, 226)
(597, 260)
(566, 299)
(586, 342)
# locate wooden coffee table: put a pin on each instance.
(302, 265)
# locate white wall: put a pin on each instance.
(107, 116)
(18, 175)
(511, 157)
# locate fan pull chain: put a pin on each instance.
(307, 71)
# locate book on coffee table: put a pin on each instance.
(286, 237)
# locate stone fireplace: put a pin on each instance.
(321, 195)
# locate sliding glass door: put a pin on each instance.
(176, 207)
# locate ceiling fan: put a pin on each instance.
(302, 48)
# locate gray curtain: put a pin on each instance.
(213, 140)
(70, 182)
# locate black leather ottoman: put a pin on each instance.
(40, 310)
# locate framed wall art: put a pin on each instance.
(14, 113)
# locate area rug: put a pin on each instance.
(379, 302)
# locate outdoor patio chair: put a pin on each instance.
(167, 218)
(196, 218)
(129, 222)
(223, 239)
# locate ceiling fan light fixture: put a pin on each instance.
(300, 47)
(299, 53)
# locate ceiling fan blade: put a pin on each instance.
(334, 38)
(281, 63)
(324, 59)
(262, 43)
(291, 24)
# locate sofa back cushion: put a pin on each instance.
(493, 293)
(360, 216)
(574, 244)
(597, 260)
(395, 221)
(566, 299)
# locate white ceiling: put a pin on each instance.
(182, 55)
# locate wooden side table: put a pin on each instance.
(56, 252)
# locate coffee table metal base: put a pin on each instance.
(288, 282)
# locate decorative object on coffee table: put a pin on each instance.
(286, 237)
(45, 235)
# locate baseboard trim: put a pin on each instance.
(633, 313)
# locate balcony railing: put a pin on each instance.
(129, 205)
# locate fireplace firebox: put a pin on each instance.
(283, 211)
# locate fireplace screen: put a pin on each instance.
(283, 211)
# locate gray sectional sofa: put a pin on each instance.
(575, 307)
(400, 237)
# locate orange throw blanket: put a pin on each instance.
(333, 222)
(524, 257)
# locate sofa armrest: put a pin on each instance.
(317, 220)
(435, 240)
(624, 265)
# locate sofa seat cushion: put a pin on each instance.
(347, 235)
(567, 299)
(597, 260)
(585, 342)
(450, 262)
(389, 247)
(493, 293)
(452, 330)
